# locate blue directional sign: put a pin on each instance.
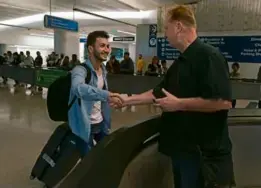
(153, 35)
(83, 40)
(237, 48)
(165, 51)
(60, 23)
(153, 29)
(245, 49)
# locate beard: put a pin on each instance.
(101, 56)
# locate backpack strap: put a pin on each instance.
(89, 74)
(87, 81)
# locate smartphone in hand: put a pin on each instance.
(158, 93)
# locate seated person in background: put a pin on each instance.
(51, 60)
(38, 62)
(235, 71)
(140, 65)
(22, 56)
(5, 57)
(75, 61)
(9, 57)
(164, 67)
(236, 75)
(127, 65)
(65, 63)
(60, 60)
(29, 60)
(113, 65)
(2, 59)
(16, 59)
(16, 62)
(154, 67)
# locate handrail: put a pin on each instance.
(243, 112)
(106, 163)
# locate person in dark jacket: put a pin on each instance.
(195, 97)
(113, 65)
(127, 64)
(16, 59)
(153, 68)
(38, 62)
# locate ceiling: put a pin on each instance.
(212, 15)
(13, 9)
(26, 7)
(18, 8)
(228, 15)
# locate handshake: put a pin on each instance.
(116, 100)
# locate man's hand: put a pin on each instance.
(122, 97)
(115, 100)
(169, 103)
(114, 94)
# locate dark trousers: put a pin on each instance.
(186, 168)
(234, 102)
(97, 133)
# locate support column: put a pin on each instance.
(152, 18)
(143, 37)
(66, 42)
(3, 49)
(142, 44)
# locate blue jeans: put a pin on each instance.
(96, 133)
(186, 168)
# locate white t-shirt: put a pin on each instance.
(96, 116)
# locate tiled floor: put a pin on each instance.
(24, 129)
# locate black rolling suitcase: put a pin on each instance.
(58, 157)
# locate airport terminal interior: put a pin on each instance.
(42, 40)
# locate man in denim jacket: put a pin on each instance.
(89, 118)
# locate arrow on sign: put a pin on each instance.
(153, 28)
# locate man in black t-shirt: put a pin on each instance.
(195, 97)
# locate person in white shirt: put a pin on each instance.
(29, 60)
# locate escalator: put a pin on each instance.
(129, 158)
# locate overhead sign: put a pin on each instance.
(165, 51)
(237, 48)
(234, 48)
(153, 29)
(60, 23)
(83, 40)
(153, 35)
(122, 39)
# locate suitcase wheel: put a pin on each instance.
(32, 177)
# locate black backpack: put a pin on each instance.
(58, 96)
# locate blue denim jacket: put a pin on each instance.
(79, 114)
